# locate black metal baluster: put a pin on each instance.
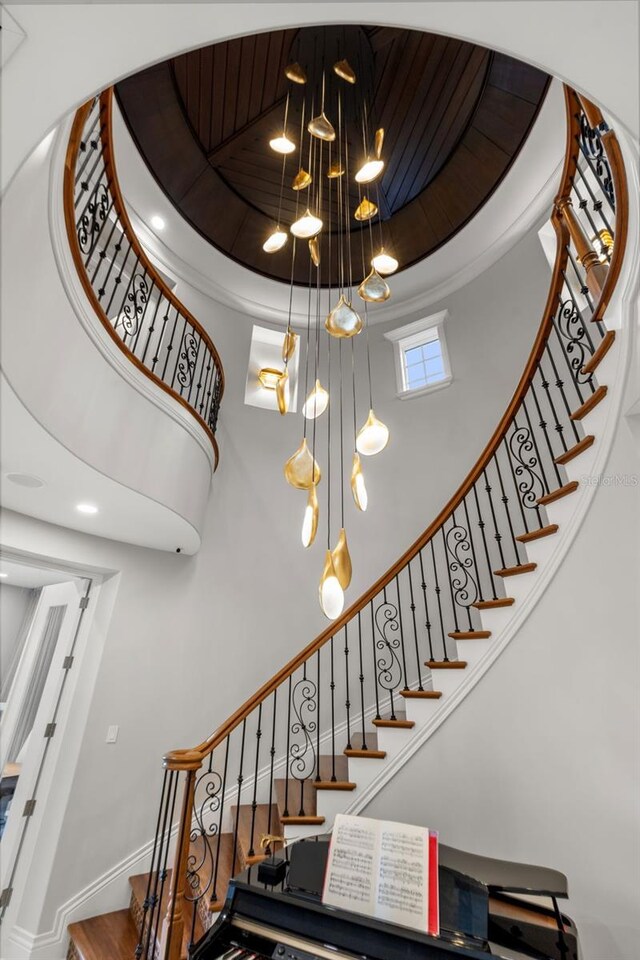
(478, 580)
(543, 424)
(412, 607)
(361, 679)
(163, 375)
(597, 204)
(560, 385)
(505, 501)
(239, 796)
(149, 294)
(572, 373)
(223, 789)
(596, 175)
(317, 777)
(534, 440)
(427, 620)
(513, 476)
(103, 253)
(404, 659)
(375, 662)
(453, 602)
(150, 331)
(437, 590)
(332, 687)
(286, 766)
(584, 289)
(116, 287)
(497, 535)
(482, 525)
(155, 862)
(347, 702)
(176, 365)
(583, 205)
(272, 755)
(153, 932)
(254, 802)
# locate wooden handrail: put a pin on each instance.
(174, 759)
(106, 133)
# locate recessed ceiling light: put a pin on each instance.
(4, 574)
(86, 508)
(25, 480)
(157, 222)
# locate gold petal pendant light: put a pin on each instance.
(373, 288)
(282, 393)
(378, 143)
(289, 345)
(373, 166)
(301, 470)
(335, 170)
(314, 251)
(301, 180)
(343, 321)
(321, 127)
(365, 210)
(342, 560)
(295, 73)
(372, 437)
(331, 594)
(358, 488)
(282, 144)
(306, 226)
(275, 241)
(384, 263)
(344, 70)
(310, 521)
(316, 403)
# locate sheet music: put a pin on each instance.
(379, 868)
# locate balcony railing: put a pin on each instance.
(128, 293)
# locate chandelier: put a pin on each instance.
(338, 157)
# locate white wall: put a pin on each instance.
(192, 637)
(540, 762)
(13, 606)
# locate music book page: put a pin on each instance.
(385, 870)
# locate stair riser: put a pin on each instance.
(473, 651)
(295, 831)
(363, 771)
(393, 740)
(449, 680)
(331, 802)
(519, 586)
(539, 551)
(422, 711)
(496, 618)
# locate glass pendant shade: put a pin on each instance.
(342, 560)
(314, 251)
(310, 521)
(344, 70)
(275, 241)
(331, 594)
(358, 488)
(301, 470)
(316, 403)
(282, 393)
(370, 170)
(295, 73)
(373, 288)
(321, 127)
(306, 226)
(335, 170)
(365, 210)
(343, 321)
(289, 345)
(282, 144)
(372, 437)
(384, 263)
(301, 180)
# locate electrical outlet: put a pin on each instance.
(112, 734)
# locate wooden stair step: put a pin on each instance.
(592, 401)
(366, 753)
(445, 664)
(493, 604)
(558, 494)
(514, 571)
(600, 353)
(421, 694)
(576, 450)
(110, 936)
(538, 534)
(302, 821)
(399, 720)
(470, 634)
(298, 796)
(334, 785)
(366, 742)
(139, 884)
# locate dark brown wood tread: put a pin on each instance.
(300, 821)
(388, 722)
(538, 534)
(514, 571)
(576, 450)
(110, 936)
(492, 604)
(445, 664)
(470, 634)
(600, 353)
(421, 694)
(558, 494)
(333, 785)
(369, 754)
(591, 402)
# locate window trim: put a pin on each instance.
(411, 335)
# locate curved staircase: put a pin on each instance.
(330, 728)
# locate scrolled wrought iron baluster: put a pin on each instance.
(427, 618)
(183, 367)
(526, 479)
(214, 885)
(206, 827)
(388, 666)
(482, 526)
(590, 144)
(254, 801)
(576, 348)
(462, 583)
(134, 304)
(543, 424)
(412, 607)
(302, 755)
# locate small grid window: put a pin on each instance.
(422, 360)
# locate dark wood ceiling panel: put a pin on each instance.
(454, 114)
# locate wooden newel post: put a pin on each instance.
(173, 924)
(596, 272)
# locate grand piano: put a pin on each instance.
(488, 908)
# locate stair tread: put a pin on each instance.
(538, 534)
(493, 604)
(302, 820)
(576, 449)
(601, 351)
(399, 720)
(110, 936)
(368, 754)
(588, 405)
(513, 571)
(334, 785)
(470, 634)
(563, 491)
(446, 664)
(421, 694)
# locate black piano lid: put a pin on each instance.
(505, 876)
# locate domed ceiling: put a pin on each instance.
(455, 116)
